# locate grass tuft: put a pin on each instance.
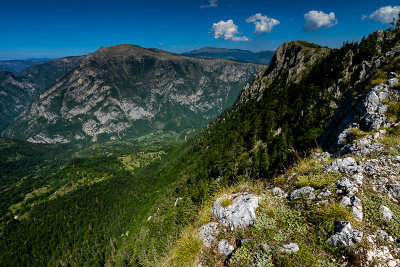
(186, 251)
(226, 202)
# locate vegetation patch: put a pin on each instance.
(226, 202)
(317, 181)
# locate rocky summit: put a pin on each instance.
(128, 91)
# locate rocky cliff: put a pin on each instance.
(15, 91)
(127, 90)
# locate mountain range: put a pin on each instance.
(128, 91)
(18, 89)
(18, 65)
(241, 55)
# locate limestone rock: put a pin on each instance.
(344, 235)
(208, 232)
(392, 81)
(346, 165)
(224, 247)
(307, 192)
(346, 185)
(325, 193)
(386, 213)
(241, 213)
(394, 190)
(289, 248)
(276, 191)
(392, 75)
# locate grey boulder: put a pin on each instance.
(306, 191)
(386, 213)
(241, 213)
(289, 248)
(344, 235)
(346, 165)
(394, 190)
(224, 247)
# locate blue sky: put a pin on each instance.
(60, 28)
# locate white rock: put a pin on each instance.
(346, 165)
(345, 201)
(224, 247)
(289, 248)
(386, 213)
(276, 191)
(344, 235)
(392, 81)
(208, 232)
(306, 191)
(241, 213)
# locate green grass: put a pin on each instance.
(355, 134)
(317, 181)
(226, 202)
(186, 251)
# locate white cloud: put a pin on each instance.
(316, 20)
(227, 30)
(211, 3)
(263, 23)
(384, 15)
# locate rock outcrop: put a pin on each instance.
(344, 235)
(241, 213)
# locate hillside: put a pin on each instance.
(160, 212)
(262, 57)
(128, 91)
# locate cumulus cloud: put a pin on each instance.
(316, 20)
(263, 23)
(227, 30)
(211, 3)
(384, 15)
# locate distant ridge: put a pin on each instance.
(18, 65)
(241, 55)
